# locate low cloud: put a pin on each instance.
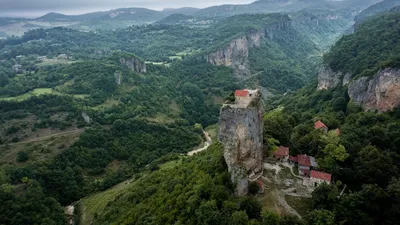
(29, 8)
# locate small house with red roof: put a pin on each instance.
(321, 126)
(242, 93)
(244, 97)
(304, 164)
(282, 154)
(317, 178)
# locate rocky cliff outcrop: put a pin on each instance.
(134, 63)
(379, 93)
(241, 132)
(236, 53)
(118, 77)
(328, 79)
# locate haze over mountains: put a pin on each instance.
(123, 17)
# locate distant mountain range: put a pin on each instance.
(124, 17)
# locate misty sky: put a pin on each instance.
(34, 8)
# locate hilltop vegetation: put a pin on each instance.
(364, 155)
(375, 9)
(372, 47)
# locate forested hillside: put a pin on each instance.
(361, 148)
(81, 112)
(374, 46)
(376, 9)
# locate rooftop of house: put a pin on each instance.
(282, 151)
(321, 175)
(243, 98)
(319, 125)
(304, 160)
(242, 93)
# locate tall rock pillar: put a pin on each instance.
(241, 132)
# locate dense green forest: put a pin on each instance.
(374, 46)
(375, 9)
(197, 191)
(364, 156)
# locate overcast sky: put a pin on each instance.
(33, 8)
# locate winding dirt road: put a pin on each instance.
(206, 145)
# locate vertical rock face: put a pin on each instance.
(118, 77)
(134, 63)
(381, 92)
(328, 79)
(241, 132)
(234, 55)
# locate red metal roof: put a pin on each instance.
(242, 93)
(293, 158)
(321, 175)
(304, 160)
(282, 151)
(319, 125)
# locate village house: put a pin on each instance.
(317, 178)
(321, 126)
(304, 164)
(244, 97)
(282, 154)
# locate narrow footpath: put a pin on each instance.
(206, 145)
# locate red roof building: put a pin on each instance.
(281, 152)
(293, 158)
(304, 160)
(319, 125)
(241, 93)
(321, 176)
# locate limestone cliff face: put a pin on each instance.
(236, 53)
(328, 79)
(379, 93)
(241, 132)
(134, 63)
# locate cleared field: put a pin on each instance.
(39, 149)
(50, 62)
(161, 118)
(107, 104)
(35, 92)
(38, 92)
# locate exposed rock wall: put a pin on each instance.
(118, 77)
(328, 79)
(241, 132)
(236, 53)
(381, 92)
(134, 64)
